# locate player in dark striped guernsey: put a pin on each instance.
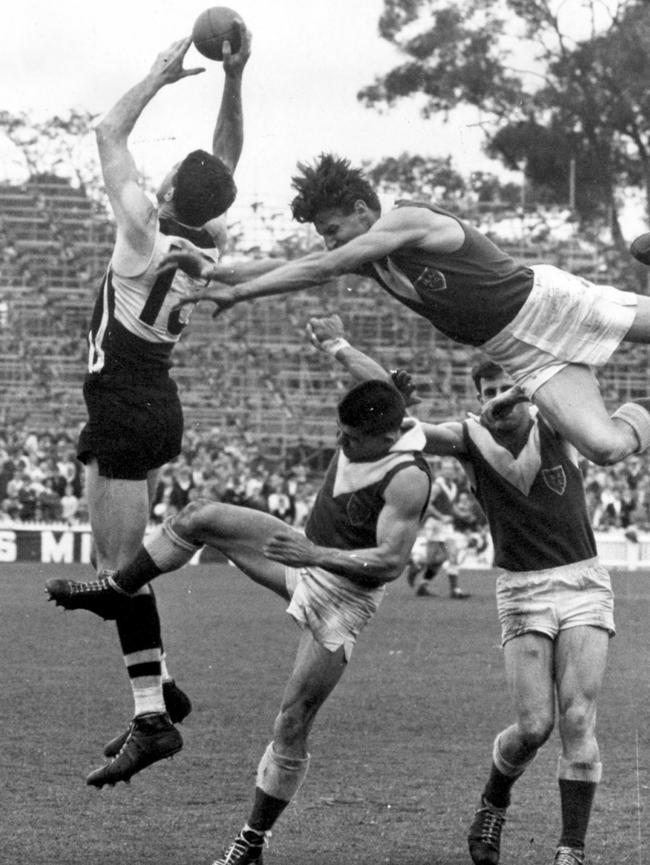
(554, 598)
(357, 539)
(135, 420)
(545, 326)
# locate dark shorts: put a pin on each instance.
(133, 427)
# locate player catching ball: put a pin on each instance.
(135, 419)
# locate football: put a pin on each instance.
(214, 27)
(640, 248)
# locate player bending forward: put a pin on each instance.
(357, 538)
(554, 598)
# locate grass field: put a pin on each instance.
(399, 754)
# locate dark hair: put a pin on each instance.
(373, 407)
(484, 368)
(203, 188)
(329, 183)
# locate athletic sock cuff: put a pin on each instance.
(167, 549)
(510, 770)
(572, 770)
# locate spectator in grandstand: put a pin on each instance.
(546, 327)
(554, 598)
(357, 539)
(69, 505)
(49, 502)
(279, 502)
(135, 419)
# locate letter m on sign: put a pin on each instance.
(59, 551)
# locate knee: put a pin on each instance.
(188, 522)
(290, 728)
(577, 720)
(611, 444)
(534, 730)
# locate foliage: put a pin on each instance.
(560, 87)
(413, 175)
(59, 146)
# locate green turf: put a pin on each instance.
(399, 754)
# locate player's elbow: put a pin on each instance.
(106, 133)
(391, 567)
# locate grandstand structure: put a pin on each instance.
(252, 368)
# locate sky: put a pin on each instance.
(309, 60)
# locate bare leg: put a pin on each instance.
(581, 657)
(530, 677)
(119, 512)
(285, 762)
(572, 403)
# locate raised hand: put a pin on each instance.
(324, 330)
(493, 410)
(168, 65)
(233, 64)
(404, 383)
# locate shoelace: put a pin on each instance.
(491, 825)
(568, 856)
(236, 849)
(92, 586)
(239, 847)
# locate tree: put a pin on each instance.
(62, 146)
(580, 110)
(409, 175)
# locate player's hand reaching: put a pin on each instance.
(168, 65)
(199, 266)
(290, 548)
(499, 406)
(186, 257)
(233, 64)
(404, 383)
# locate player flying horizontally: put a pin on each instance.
(135, 420)
(546, 327)
(554, 598)
(357, 539)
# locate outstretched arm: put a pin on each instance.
(135, 216)
(414, 226)
(405, 497)
(228, 138)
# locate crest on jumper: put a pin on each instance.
(555, 479)
(358, 512)
(430, 279)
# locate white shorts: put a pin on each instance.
(334, 609)
(566, 319)
(552, 600)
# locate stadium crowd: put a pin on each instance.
(41, 480)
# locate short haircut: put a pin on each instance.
(484, 368)
(204, 188)
(330, 183)
(373, 407)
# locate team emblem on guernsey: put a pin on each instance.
(431, 279)
(358, 512)
(555, 479)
